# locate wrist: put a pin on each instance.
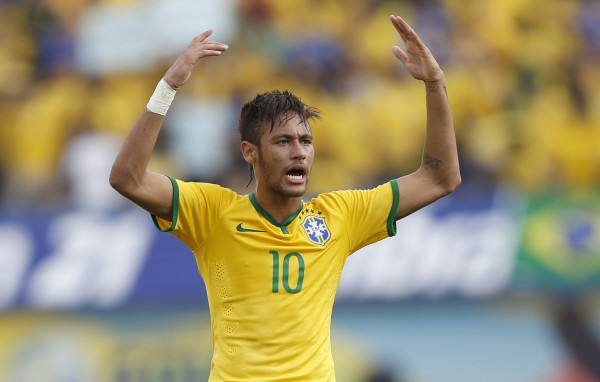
(161, 99)
(434, 86)
(170, 83)
(439, 81)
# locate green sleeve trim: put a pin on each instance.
(391, 220)
(174, 208)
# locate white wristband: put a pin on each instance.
(161, 99)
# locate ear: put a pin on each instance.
(250, 152)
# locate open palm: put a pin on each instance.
(181, 70)
(417, 58)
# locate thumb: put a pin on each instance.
(399, 53)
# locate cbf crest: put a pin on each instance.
(316, 229)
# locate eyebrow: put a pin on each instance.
(289, 136)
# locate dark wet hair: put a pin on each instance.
(266, 109)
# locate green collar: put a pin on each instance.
(270, 217)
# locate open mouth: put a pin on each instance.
(295, 174)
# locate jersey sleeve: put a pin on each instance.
(368, 215)
(196, 207)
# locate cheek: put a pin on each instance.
(277, 157)
(270, 164)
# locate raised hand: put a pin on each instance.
(181, 70)
(417, 58)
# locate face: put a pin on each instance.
(283, 162)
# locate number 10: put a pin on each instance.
(286, 272)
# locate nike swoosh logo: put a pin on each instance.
(239, 228)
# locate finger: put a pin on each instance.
(414, 37)
(400, 54)
(208, 53)
(215, 46)
(201, 37)
(214, 42)
(220, 48)
(200, 51)
(400, 28)
(403, 24)
(410, 33)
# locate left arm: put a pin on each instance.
(439, 173)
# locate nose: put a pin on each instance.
(299, 151)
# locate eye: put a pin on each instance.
(282, 142)
(307, 141)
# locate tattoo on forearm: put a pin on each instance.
(434, 163)
(432, 89)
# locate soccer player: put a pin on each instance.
(270, 261)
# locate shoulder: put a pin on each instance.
(350, 193)
(346, 198)
(331, 201)
(203, 190)
(204, 187)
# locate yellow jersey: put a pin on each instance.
(271, 286)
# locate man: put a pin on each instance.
(271, 262)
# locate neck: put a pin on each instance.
(278, 206)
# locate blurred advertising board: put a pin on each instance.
(92, 259)
(477, 243)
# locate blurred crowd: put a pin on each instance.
(523, 79)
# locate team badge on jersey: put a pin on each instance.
(316, 229)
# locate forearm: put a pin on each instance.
(440, 157)
(131, 164)
(439, 173)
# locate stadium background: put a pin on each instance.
(498, 282)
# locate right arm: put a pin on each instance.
(130, 175)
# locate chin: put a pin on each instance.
(294, 192)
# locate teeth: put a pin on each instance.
(295, 177)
